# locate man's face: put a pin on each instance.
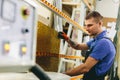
(92, 27)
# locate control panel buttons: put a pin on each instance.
(25, 31)
(23, 49)
(6, 47)
(25, 12)
(18, 23)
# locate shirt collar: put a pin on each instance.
(101, 35)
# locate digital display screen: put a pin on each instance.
(8, 10)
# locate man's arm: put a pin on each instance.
(75, 45)
(83, 68)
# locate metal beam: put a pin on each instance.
(61, 14)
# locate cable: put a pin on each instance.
(39, 72)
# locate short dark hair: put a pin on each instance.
(94, 14)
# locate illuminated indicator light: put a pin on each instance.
(6, 47)
(24, 49)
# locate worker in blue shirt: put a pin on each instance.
(101, 50)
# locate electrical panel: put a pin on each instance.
(17, 35)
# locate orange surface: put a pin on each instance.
(77, 77)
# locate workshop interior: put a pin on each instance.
(30, 48)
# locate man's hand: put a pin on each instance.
(62, 35)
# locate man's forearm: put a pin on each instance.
(75, 45)
(72, 44)
(77, 71)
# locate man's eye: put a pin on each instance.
(89, 25)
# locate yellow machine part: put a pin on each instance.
(47, 42)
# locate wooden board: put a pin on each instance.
(106, 20)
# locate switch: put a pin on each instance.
(25, 31)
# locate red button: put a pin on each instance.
(26, 12)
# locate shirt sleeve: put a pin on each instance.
(89, 43)
(100, 50)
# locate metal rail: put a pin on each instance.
(61, 14)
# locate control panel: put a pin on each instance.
(17, 34)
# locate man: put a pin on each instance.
(102, 50)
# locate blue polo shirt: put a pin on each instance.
(103, 51)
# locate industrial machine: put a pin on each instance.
(18, 42)
(18, 34)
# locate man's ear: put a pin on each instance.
(101, 23)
